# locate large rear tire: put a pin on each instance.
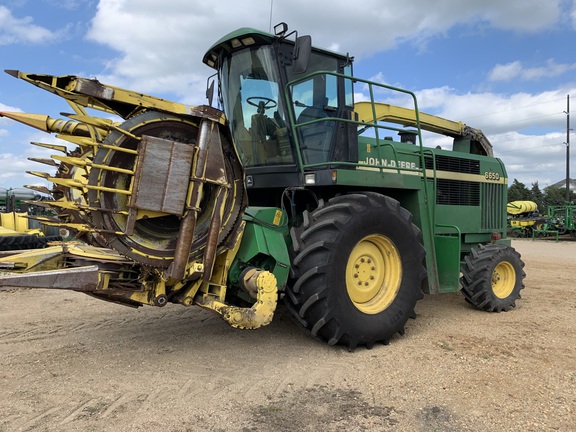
(492, 277)
(359, 270)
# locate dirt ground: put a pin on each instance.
(69, 362)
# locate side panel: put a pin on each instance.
(448, 262)
(264, 244)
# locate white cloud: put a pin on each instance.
(5, 121)
(22, 30)
(160, 47)
(515, 70)
(476, 109)
(15, 162)
(551, 69)
(4, 107)
(527, 131)
(496, 113)
(506, 72)
(527, 15)
(532, 158)
(15, 165)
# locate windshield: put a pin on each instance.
(250, 83)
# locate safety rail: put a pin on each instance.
(378, 127)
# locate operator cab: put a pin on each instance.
(285, 102)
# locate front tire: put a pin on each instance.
(492, 277)
(359, 270)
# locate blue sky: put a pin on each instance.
(505, 67)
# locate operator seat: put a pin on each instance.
(316, 137)
(262, 126)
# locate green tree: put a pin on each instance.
(518, 192)
(557, 196)
(538, 197)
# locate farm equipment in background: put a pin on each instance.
(524, 218)
(16, 231)
(562, 218)
(16, 200)
(293, 192)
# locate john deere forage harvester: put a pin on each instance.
(294, 191)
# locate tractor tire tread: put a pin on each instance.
(318, 242)
(476, 280)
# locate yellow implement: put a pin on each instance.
(14, 221)
(518, 207)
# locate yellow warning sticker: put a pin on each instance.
(277, 217)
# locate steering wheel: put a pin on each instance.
(268, 103)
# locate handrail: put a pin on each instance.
(377, 127)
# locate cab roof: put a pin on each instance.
(245, 37)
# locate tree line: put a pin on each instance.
(551, 195)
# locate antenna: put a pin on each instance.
(270, 23)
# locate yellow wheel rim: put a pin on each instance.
(503, 279)
(373, 274)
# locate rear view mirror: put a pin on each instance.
(302, 51)
(210, 90)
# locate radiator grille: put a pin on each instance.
(454, 164)
(492, 206)
(457, 192)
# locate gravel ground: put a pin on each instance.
(69, 362)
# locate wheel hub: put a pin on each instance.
(366, 277)
(503, 280)
(373, 274)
